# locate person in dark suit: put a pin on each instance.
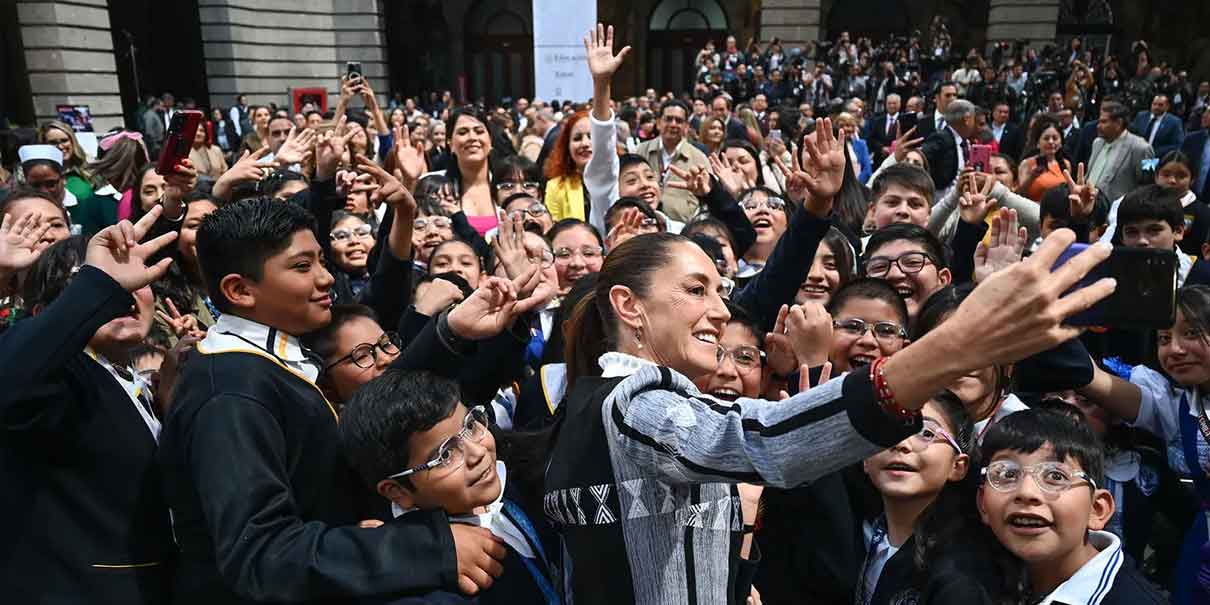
(721, 107)
(881, 131)
(1082, 147)
(1197, 148)
(946, 149)
(933, 121)
(1009, 135)
(1159, 128)
(83, 516)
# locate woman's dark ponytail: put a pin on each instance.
(585, 339)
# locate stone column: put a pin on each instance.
(1032, 20)
(795, 22)
(70, 60)
(264, 48)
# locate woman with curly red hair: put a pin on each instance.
(564, 169)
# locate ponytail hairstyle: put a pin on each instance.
(592, 329)
(120, 165)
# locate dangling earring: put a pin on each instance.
(638, 336)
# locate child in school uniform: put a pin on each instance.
(265, 506)
(1042, 499)
(414, 442)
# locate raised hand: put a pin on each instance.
(509, 246)
(247, 168)
(490, 309)
(598, 45)
(1082, 196)
(733, 180)
(904, 143)
(809, 328)
(330, 150)
(695, 180)
(438, 296)
(410, 157)
(976, 201)
(628, 225)
(296, 149)
(1007, 244)
(19, 242)
(182, 325)
(779, 354)
(116, 251)
(389, 189)
(824, 162)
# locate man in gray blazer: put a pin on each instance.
(1116, 164)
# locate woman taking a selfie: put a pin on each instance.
(635, 424)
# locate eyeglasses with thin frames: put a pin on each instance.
(451, 454)
(1051, 477)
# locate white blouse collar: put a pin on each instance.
(614, 364)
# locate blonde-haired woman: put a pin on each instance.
(56, 133)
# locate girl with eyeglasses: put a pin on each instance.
(351, 240)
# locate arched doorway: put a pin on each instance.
(677, 30)
(500, 49)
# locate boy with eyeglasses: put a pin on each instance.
(534, 215)
(414, 443)
(911, 259)
(869, 320)
(1041, 498)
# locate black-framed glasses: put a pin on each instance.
(888, 331)
(436, 222)
(908, 262)
(451, 454)
(772, 203)
(363, 356)
(564, 255)
(1051, 477)
(359, 232)
(516, 186)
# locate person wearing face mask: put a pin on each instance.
(92, 519)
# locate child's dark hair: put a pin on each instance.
(869, 288)
(907, 176)
(705, 223)
(630, 202)
(23, 193)
(630, 159)
(1151, 202)
(912, 233)
(1055, 204)
(383, 414)
(1029, 430)
(483, 263)
(513, 165)
(844, 253)
(1176, 156)
(743, 317)
(709, 245)
(323, 341)
(52, 273)
(239, 237)
(276, 181)
(568, 224)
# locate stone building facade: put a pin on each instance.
(105, 53)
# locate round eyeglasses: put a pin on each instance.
(363, 356)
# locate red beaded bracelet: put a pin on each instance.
(886, 397)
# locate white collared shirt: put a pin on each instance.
(998, 130)
(492, 519)
(138, 389)
(234, 333)
(1094, 580)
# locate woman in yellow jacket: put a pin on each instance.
(565, 194)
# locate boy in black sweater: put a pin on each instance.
(1041, 498)
(415, 443)
(264, 504)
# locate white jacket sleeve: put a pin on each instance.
(1028, 211)
(601, 173)
(887, 163)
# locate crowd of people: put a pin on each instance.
(748, 343)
